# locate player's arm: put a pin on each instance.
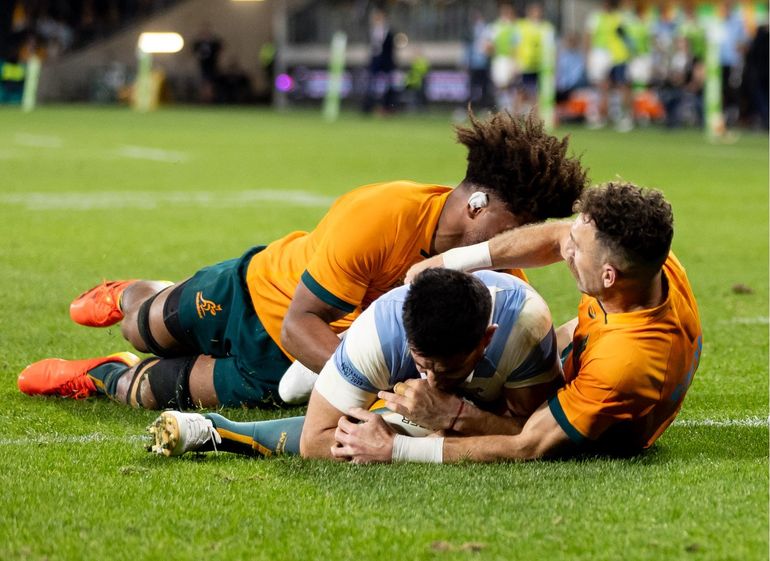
(565, 333)
(331, 397)
(522, 402)
(344, 382)
(318, 431)
(373, 441)
(541, 437)
(432, 408)
(525, 247)
(305, 332)
(335, 280)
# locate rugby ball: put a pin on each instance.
(398, 422)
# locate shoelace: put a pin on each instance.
(77, 388)
(199, 431)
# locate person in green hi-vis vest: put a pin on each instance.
(503, 41)
(639, 26)
(529, 54)
(607, 65)
(415, 82)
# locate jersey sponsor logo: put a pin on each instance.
(591, 312)
(206, 306)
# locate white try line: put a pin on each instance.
(145, 200)
(70, 439)
(38, 140)
(745, 422)
(758, 320)
(41, 440)
(153, 154)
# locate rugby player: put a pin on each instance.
(634, 352)
(225, 336)
(473, 354)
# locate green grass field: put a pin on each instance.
(90, 193)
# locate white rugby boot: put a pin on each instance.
(175, 432)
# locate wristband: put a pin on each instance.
(425, 450)
(468, 258)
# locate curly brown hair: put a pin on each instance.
(635, 223)
(528, 169)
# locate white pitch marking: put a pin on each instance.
(758, 320)
(745, 422)
(69, 439)
(38, 140)
(153, 154)
(102, 438)
(150, 200)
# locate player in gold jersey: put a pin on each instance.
(633, 349)
(226, 335)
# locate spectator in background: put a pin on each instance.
(477, 45)
(416, 81)
(381, 64)
(607, 61)
(31, 45)
(233, 84)
(529, 54)
(267, 54)
(731, 51)
(570, 67)
(207, 47)
(694, 31)
(503, 41)
(682, 85)
(756, 75)
(58, 36)
(638, 25)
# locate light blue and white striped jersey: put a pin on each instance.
(374, 354)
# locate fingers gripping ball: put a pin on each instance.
(398, 422)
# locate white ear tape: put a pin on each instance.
(478, 200)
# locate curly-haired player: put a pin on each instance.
(226, 335)
(633, 349)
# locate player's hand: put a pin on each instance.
(417, 268)
(369, 441)
(422, 403)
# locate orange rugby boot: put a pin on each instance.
(99, 306)
(67, 378)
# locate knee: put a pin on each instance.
(162, 384)
(138, 293)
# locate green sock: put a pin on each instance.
(106, 376)
(258, 438)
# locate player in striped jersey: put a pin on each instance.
(456, 353)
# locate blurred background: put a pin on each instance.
(611, 63)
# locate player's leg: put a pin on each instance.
(173, 433)
(104, 304)
(153, 383)
(231, 359)
(163, 383)
(152, 325)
